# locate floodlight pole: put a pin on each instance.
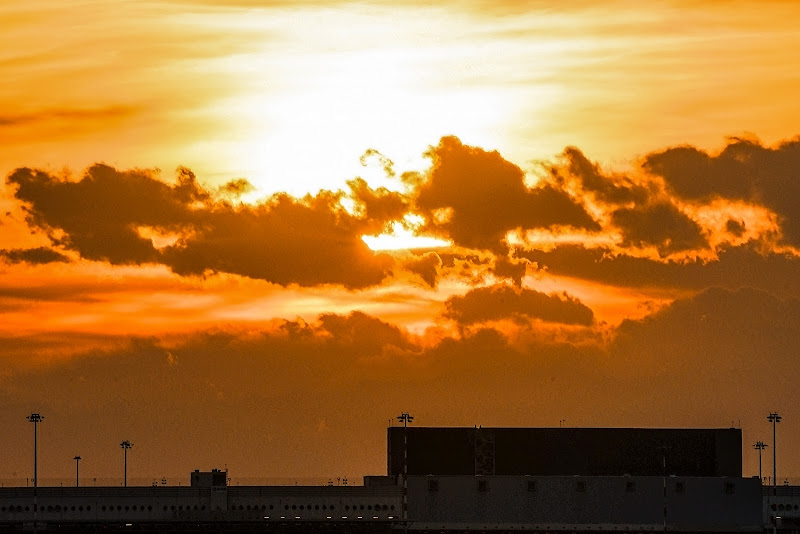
(405, 418)
(125, 446)
(77, 470)
(774, 418)
(35, 418)
(760, 446)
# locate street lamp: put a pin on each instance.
(774, 418)
(125, 446)
(760, 446)
(35, 418)
(77, 468)
(405, 418)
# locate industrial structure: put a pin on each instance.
(460, 480)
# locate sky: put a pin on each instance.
(248, 234)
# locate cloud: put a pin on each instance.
(65, 114)
(613, 189)
(426, 266)
(743, 170)
(284, 240)
(475, 198)
(33, 256)
(661, 225)
(735, 267)
(505, 302)
(693, 363)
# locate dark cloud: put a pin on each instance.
(65, 114)
(732, 339)
(33, 256)
(744, 170)
(661, 225)
(514, 270)
(426, 266)
(475, 197)
(613, 189)
(237, 187)
(736, 228)
(307, 241)
(736, 267)
(380, 206)
(505, 302)
(99, 214)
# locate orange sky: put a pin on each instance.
(604, 199)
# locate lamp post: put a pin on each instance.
(125, 446)
(35, 418)
(760, 446)
(774, 418)
(405, 418)
(77, 470)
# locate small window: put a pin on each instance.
(680, 487)
(531, 485)
(730, 488)
(433, 485)
(88, 508)
(580, 485)
(483, 485)
(630, 486)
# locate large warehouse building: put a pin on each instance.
(566, 451)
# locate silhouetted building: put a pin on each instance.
(567, 451)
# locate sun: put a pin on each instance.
(401, 238)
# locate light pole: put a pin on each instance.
(77, 470)
(774, 418)
(35, 418)
(405, 418)
(760, 446)
(125, 446)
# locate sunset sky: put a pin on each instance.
(247, 234)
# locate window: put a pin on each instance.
(531, 485)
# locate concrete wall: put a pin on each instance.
(586, 503)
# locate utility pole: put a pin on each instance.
(125, 446)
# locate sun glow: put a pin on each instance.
(403, 239)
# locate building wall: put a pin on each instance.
(566, 451)
(236, 503)
(585, 503)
